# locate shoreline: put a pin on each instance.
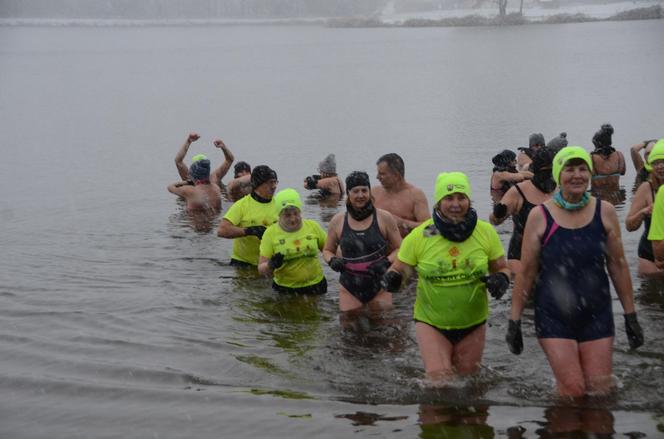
(513, 19)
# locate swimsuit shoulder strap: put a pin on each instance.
(551, 225)
(518, 189)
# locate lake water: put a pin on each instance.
(117, 319)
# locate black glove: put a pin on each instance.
(378, 268)
(514, 338)
(391, 281)
(496, 283)
(633, 330)
(312, 181)
(337, 264)
(256, 231)
(500, 210)
(276, 261)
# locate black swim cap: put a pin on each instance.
(357, 178)
(241, 167)
(200, 170)
(261, 174)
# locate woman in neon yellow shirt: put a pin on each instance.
(457, 258)
(290, 247)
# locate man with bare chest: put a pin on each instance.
(407, 203)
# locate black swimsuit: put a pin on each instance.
(519, 221)
(360, 249)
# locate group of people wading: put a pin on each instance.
(565, 247)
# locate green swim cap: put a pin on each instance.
(565, 155)
(448, 183)
(657, 153)
(287, 198)
(198, 157)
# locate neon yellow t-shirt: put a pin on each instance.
(656, 232)
(450, 294)
(247, 212)
(301, 266)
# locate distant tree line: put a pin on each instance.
(198, 9)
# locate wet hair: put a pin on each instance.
(394, 162)
(602, 138)
(241, 167)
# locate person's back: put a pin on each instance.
(608, 164)
(200, 194)
(404, 201)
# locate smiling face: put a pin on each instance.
(290, 219)
(574, 177)
(658, 169)
(359, 196)
(454, 206)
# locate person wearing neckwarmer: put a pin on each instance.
(521, 198)
(505, 174)
(246, 220)
(458, 258)
(361, 244)
(569, 244)
(608, 164)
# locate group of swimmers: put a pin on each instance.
(387, 233)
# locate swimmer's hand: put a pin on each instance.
(337, 264)
(500, 210)
(633, 330)
(378, 268)
(514, 338)
(193, 137)
(496, 284)
(391, 281)
(276, 261)
(256, 231)
(312, 181)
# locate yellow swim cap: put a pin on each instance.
(450, 183)
(198, 157)
(657, 153)
(287, 198)
(565, 155)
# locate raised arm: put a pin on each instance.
(635, 153)
(182, 168)
(222, 170)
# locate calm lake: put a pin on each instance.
(118, 319)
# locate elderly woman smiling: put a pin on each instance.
(568, 245)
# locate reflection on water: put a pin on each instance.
(614, 195)
(329, 205)
(454, 422)
(578, 422)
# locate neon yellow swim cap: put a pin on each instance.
(287, 198)
(657, 153)
(198, 157)
(565, 155)
(448, 183)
